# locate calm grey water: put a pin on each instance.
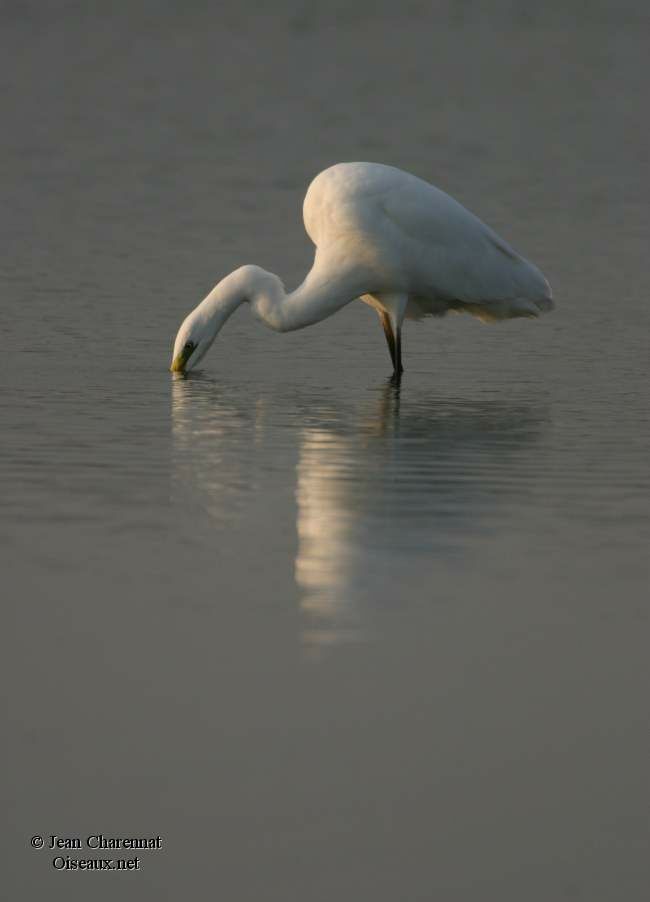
(328, 638)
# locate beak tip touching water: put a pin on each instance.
(179, 362)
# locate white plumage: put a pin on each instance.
(390, 239)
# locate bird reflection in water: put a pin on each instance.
(387, 497)
(334, 567)
(388, 490)
(209, 470)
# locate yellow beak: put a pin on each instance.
(178, 363)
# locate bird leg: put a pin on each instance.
(390, 336)
(397, 363)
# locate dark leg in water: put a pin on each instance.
(397, 363)
(390, 337)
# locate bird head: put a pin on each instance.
(194, 337)
(200, 328)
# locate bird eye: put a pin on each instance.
(189, 347)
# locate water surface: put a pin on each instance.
(329, 637)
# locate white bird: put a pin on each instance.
(390, 239)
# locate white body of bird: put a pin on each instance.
(390, 239)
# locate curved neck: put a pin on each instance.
(318, 297)
(226, 296)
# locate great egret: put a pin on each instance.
(394, 241)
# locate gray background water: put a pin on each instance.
(329, 640)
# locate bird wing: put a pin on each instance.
(456, 255)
